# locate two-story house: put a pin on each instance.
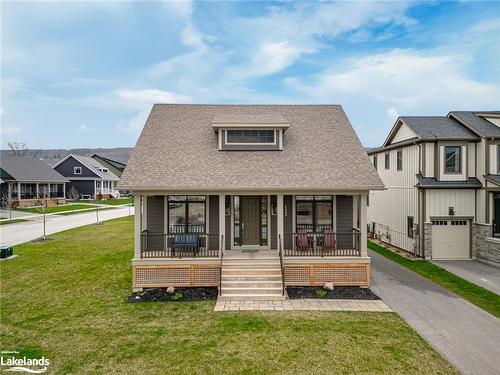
(249, 198)
(442, 178)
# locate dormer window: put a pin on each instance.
(77, 170)
(103, 169)
(250, 137)
(250, 132)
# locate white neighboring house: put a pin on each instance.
(442, 178)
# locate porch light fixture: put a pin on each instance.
(274, 208)
(451, 211)
(228, 206)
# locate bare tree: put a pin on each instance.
(98, 198)
(18, 149)
(7, 201)
(42, 205)
(21, 149)
(73, 194)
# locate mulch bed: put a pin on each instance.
(340, 292)
(161, 295)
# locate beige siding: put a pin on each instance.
(403, 134)
(392, 206)
(493, 159)
(472, 159)
(494, 120)
(439, 200)
(429, 159)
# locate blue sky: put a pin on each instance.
(85, 74)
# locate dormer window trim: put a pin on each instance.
(273, 143)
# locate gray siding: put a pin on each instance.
(213, 221)
(83, 187)
(344, 221)
(66, 169)
(344, 214)
(274, 225)
(156, 214)
(288, 220)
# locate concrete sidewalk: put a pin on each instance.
(467, 336)
(13, 234)
(474, 271)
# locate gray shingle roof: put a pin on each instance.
(477, 123)
(438, 127)
(495, 178)
(178, 150)
(29, 169)
(431, 182)
(249, 118)
(94, 166)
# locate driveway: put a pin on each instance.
(462, 333)
(13, 234)
(474, 271)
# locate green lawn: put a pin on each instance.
(60, 208)
(117, 202)
(473, 293)
(67, 213)
(64, 299)
(12, 221)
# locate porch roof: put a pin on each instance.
(178, 150)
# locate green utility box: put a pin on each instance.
(6, 251)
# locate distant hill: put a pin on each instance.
(120, 154)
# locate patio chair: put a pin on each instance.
(302, 240)
(329, 241)
(185, 243)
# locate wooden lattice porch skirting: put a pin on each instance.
(317, 274)
(186, 275)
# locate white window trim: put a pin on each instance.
(249, 144)
(75, 170)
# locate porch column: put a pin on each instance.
(37, 192)
(137, 226)
(280, 223)
(64, 189)
(222, 220)
(362, 224)
(355, 201)
(18, 191)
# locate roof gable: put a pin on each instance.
(476, 123)
(178, 150)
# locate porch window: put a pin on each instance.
(13, 192)
(28, 191)
(186, 213)
(43, 190)
(56, 190)
(452, 159)
(250, 137)
(314, 213)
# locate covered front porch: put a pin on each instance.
(318, 237)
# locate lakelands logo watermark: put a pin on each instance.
(12, 361)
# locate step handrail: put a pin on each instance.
(280, 253)
(221, 247)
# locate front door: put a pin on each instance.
(250, 223)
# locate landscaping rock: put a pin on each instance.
(328, 286)
(161, 295)
(170, 290)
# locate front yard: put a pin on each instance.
(57, 209)
(64, 299)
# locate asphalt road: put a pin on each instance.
(467, 336)
(13, 234)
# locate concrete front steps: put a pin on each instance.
(251, 277)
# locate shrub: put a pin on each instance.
(320, 293)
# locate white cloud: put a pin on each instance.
(151, 96)
(392, 113)
(409, 79)
(7, 130)
(83, 128)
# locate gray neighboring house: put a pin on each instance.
(88, 177)
(25, 181)
(442, 175)
(215, 183)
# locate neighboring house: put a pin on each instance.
(88, 177)
(27, 181)
(442, 176)
(115, 166)
(225, 181)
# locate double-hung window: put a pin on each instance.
(399, 160)
(314, 213)
(452, 159)
(387, 160)
(250, 137)
(186, 214)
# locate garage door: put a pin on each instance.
(450, 239)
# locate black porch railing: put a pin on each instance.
(179, 245)
(322, 244)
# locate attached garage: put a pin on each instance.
(451, 239)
